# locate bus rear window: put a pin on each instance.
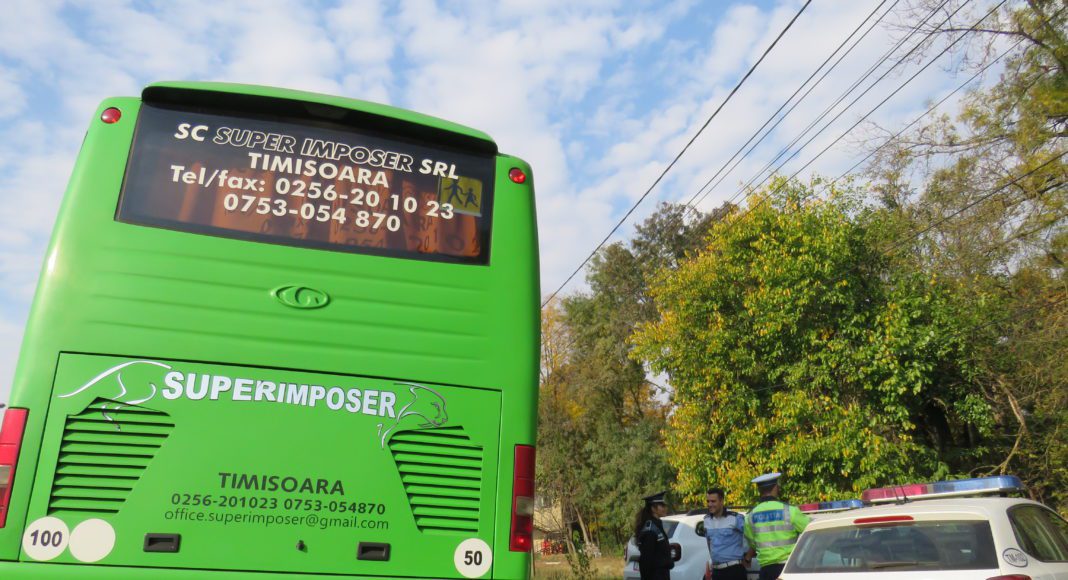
(311, 185)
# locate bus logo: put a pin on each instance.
(111, 381)
(301, 297)
(426, 409)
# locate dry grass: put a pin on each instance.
(555, 567)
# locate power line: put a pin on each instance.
(982, 198)
(845, 94)
(979, 200)
(978, 73)
(691, 203)
(859, 121)
(935, 223)
(855, 100)
(928, 111)
(684, 149)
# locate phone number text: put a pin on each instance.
(273, 503)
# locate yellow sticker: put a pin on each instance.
(463, 194)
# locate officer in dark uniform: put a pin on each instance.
(654, 559)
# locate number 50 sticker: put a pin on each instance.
(473, 558)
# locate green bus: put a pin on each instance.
(277, 335)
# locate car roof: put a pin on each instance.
(688, 518)
(968, 508)
(692, 518)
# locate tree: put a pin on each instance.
(560, 420)
(986, 189)
(792, 344)
(600, 433)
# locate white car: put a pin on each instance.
(688, 547)
(945, 538)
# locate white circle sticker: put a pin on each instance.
(45, 538)
(92, 540)
(473, 558)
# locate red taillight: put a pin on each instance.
(522, 500)
(10, 440)
(516, 174)
(111, 115)
(1011, 577)
(676, 552)
(882, 520)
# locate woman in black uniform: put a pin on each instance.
(654, 558)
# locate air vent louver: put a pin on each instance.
(442, 474)
(105, 450)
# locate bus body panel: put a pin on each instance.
(245, 463)
(39, 571)
(138, 293)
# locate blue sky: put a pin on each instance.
(598, 96)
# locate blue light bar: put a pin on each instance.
(993, 484)
(831, 506)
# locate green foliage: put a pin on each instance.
(793, 345)
(600, 436)
(850, 345)
(579, 560)
(992, 207)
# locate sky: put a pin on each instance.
(598, 96)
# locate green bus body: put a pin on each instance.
(266, 410)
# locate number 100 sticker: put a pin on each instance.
(473, 558)
(46, 538)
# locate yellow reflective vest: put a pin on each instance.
(772, 528)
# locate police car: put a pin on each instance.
(933, 532)
(688, 548)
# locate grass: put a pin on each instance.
(555, 567)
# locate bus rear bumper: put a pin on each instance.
(42, 571)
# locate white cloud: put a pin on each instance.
(12, 97)
(282, 44)
(10, 339)
(367, 42)
(598, 96)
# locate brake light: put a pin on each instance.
(676, 552)
(882, 520)
(111, 115)
(522, 500)
(10, 441)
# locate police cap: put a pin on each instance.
(655, 498)
(767, 481)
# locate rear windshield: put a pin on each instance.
(942, 545)
(298, 183)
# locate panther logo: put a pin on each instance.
(426, 404)
(111, 385)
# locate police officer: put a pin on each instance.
(772, 527)
(654, 558)
(724, 531)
